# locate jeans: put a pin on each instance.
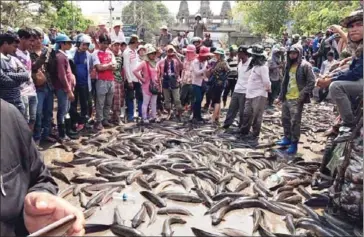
(81, 94)
(197, 92)
(30, 108)
(63, 105)
(253, 115)
(168, 98)
(104, 97)
(44, 113)
(341, 93)
(237, 104)
(131, 94)
(152, 100)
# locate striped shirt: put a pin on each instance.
(12, 75)
(233, 64)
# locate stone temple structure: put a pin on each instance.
(222, 23)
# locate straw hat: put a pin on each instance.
(150, 49)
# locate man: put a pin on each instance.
(297, 85)
(117, 33)
(348, 85)
(119, 94)
(325, 46)
(197, 42)
(275, 66)
(168, 71)
(285, 39)
(52, 35)
(237, 103)
(232, 60)
(63, 84)
(165, 38)
(28, 191)
(40, 56)
(83, 63)
(180, 41)
(207, 42)
(199, 28)
(326, 65)
(13, 73)
(28, 92)
(105, 64)
(295, 39)
(133, 89)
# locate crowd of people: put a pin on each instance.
(105, 75)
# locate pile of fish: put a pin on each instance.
(204, 166)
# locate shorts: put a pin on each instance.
(215, 93)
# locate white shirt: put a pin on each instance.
(198, 72)
(27, 88)
(258, 82)
(243, 76)
(120, 37)
(130, 63)
(326, 66)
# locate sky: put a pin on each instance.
(89, 7)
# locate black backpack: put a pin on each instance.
(52, 64)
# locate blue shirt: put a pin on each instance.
(80, 60)
(315, 44)
(354, 73)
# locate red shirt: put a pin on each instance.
(104, 57)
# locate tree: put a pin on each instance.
(149, 15)
(70, 17)
(311, 16)
(264, 16)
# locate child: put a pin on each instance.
(150, 84)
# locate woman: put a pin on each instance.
(186, 78)
(141, 53)
(217, 82)
(257, 92)
(150, 83)
(199, 69)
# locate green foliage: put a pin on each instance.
(149, 14)
(263, 16)
(311, 16)
(42, 13)
(308, 17)
(70, 17)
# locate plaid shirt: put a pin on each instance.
(187, 72)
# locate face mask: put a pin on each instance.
(91, 47)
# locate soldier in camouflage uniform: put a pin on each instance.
(119, 93)
(298, 82)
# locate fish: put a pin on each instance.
(60, 175)
(218, 205)
(257, 218)
(101, 186)
(122, 230)
(293, 199)
(91, 180)
(201, 233)
(167, 230)
(67, 191)
(234, 232)
(58, 228)
(89, 212)
(83, 200)
(218, 216)
(143, 183)
(155, 199)
(183, 197)
(139, 217)
(221, 196)
(242, 185)
(318, 230)
(207, 200)
(118, 220)
(96, 198)
(290, 224)
(62, 164)
(151, 210)
(174, 210)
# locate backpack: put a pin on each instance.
(52, 65)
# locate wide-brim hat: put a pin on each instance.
(190, 48)
(243, 49)
(62, 38)
(150, 50)
(164, 27)
(205, 52)
(257, 50)
(117, 41)
(219, 51)
(168, 47)
(141, 47)
(354, 16)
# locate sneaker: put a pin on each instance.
(284, 142)
(106, 124)
(292, 149)
(80, 127)
(98, 126)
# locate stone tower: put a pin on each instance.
(225, 10)
(205, 10)
(183, 12)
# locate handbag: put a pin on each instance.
(153, 88)
(39, 78)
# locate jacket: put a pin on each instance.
(65, 79)
(305, 78)
(22, 170)
(72, 54)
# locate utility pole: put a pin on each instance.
(111, 9)
(134, 10)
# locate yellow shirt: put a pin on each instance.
(292, 91)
